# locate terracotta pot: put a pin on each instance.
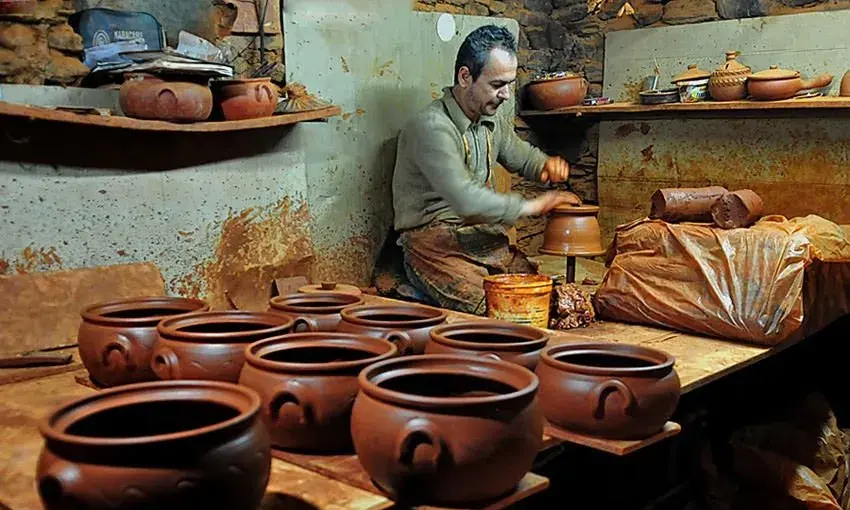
(729, 82)
(776, 84)
(408, 326)
(559, 90)
(308, 382)
(331, 287)
(116, 338)
(573, 230)
(247, 99)
(493, 339)
(845, 85)
(314, 312)
(164, 445)
(613, 391)
(148, 97)
(211, 345)
(446, 429)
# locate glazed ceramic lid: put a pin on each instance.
(560, 75)
(774, 73)
(693, 73)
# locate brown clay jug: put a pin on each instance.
(307, 382)
(314, 312)
(613, 391)
(573, 231)
(116, 338)
(408, 326)
(165, 445)
(446, 430)
(211, 345)
(493, 339)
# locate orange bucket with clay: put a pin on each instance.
(519, 298)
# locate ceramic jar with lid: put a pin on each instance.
(446, 430)
(776, 84)
(557, 90)
(166, 445)
(693, 84)
(408, 326)
(316, 311)
(116, 338)
(729, 82)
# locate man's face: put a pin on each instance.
(485, 95)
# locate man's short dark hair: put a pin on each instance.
(475, 50)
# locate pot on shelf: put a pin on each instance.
(494, 339)
(307, 382)
(729, 82)
(314, 312)
(446, 430)
(573, 231)
(241, 99)
(845, 85)
(613, 391)
(557, 90)
(775, 84)
(116, 338)
(692, 84)
(151, 98)
(165, 445)
(211, 345)
(408, 326)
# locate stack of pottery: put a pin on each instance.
(612, 391)
(729, 82)
(408, 326)
(116, 339)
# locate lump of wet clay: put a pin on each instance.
(571, 308)
(739, 209)
(685, 204)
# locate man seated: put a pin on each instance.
(452, 224)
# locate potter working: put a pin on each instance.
(452, 223)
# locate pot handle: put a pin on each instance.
(490, 355)
(60, 479)
(122, 345)
(293, 398)
(601, 392)
(264, 87)
(402, 340)
(417, 432)
(309, 324)
(818, 82)
(166, 364)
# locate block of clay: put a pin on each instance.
(685, 204)
(737, 210)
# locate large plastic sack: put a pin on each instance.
(745, 284)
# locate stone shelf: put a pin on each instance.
(110, 121)
(789, 107)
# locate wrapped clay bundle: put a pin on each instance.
(571, 308)
(685, 204)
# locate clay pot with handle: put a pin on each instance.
(308, 382)
(613, 391)
(408, 326)
(492, 339)
(246, 99)
(149, 97)
(557, 90)
(314, 312)
(116, 339)
(775, 84)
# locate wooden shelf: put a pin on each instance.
(812, 106)
(51, 115)
(613, 446)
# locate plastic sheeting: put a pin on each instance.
(756, 284)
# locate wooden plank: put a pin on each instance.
(15, 375)
(22, 405)
(816, 103)
(248, 16)
(36, 113)
(616, 447)
(347, 469)
(43, 309)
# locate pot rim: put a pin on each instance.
(537, 337)
(662, 360)
(254, 353)
(555, 77)
(94, 313)
(512, 281)
(290, 302)
(372, 376)
(577, 209)
(278, 323)
(351, 314)
(151, 392)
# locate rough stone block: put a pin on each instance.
(731, 9)
(64, 69)
(497, 7)
(538, 38)
(558, 36)
(649, 13)
(444, 7)
(539, 5)
(63, 37)
(574, 12)
(476, 9)
(679, 12)
(16, 35)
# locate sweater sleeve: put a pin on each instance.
(516, 154)
(440, 157)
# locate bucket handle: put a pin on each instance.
(600, 394)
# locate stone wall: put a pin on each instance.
(569, 35)
(37, 45)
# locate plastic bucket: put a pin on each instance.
(519, 298)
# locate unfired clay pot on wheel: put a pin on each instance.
(314, 312)
(163, 445)
(408, 326)
(573, 230)
(494, 339)
(446, 430)
(308, 382)
(116, 338)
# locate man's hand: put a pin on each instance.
(548, 201)
(555, 170)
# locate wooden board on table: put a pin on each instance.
(613, 446)
(347, 469)
(15, 375)
(23, 404)
(43, 309)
